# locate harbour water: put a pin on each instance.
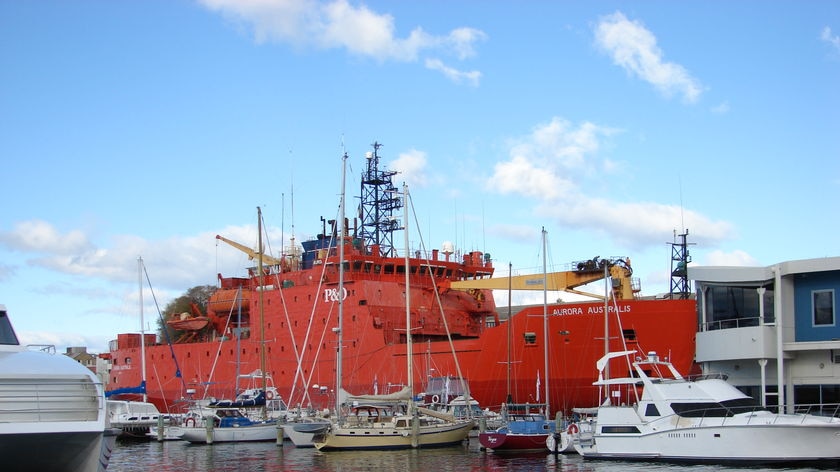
(177, 456)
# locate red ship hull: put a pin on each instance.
(374, 349)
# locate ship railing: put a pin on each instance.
(818, 409)
(745, 322)
(722, 415)
(48, 348)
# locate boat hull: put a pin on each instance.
(263, 432)
(375, 361)
(730, 444)
(512, 442)
(385, 437)
(52, 411)
(302, 433)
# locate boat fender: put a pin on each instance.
(435, 398)
(269, 395)
(572, 429)
(189, 422)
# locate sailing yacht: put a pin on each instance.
(230, 424)
(375, 422)
(525, 427)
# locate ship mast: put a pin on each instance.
(380, 199)
(680, 286)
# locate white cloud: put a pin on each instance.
(541, 163)
(181, 261)
(471, 77)
(519, 175)
(721, 109)
(339, 25)
(40, 236)
(634, 48)
(412, 166)
(555, 165)
(734, 258)
(461, 40)
(830, 38)
(516, 232)
(635, 224)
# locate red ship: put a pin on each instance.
(451, 294)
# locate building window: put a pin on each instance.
(823, 304)
(530, 338)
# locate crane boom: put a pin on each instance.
(565, 281)
(252, 254)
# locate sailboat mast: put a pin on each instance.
(262, 311)
(509, 328)
(606, 321)
(343, 235)
(142, 328)
(545, 326)
(408, 340)
(409, 344)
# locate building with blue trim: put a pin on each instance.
(771, 326)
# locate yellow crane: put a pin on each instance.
(565, 281)
(252, 254)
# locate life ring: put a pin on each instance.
(189, 422)
(269, 395)
(572, 429)
(435, 398)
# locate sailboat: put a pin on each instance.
(230, 424)
(135, 419)
(525, 427)
(378, 422)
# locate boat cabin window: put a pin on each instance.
(651, 410)
(7, 333)
(700, 410)
(715, 410)
(619, 430)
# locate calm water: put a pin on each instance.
(269, 457)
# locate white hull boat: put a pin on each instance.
(703, 420)
(52, 410)
(230, 425)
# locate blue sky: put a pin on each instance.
(143, 129)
